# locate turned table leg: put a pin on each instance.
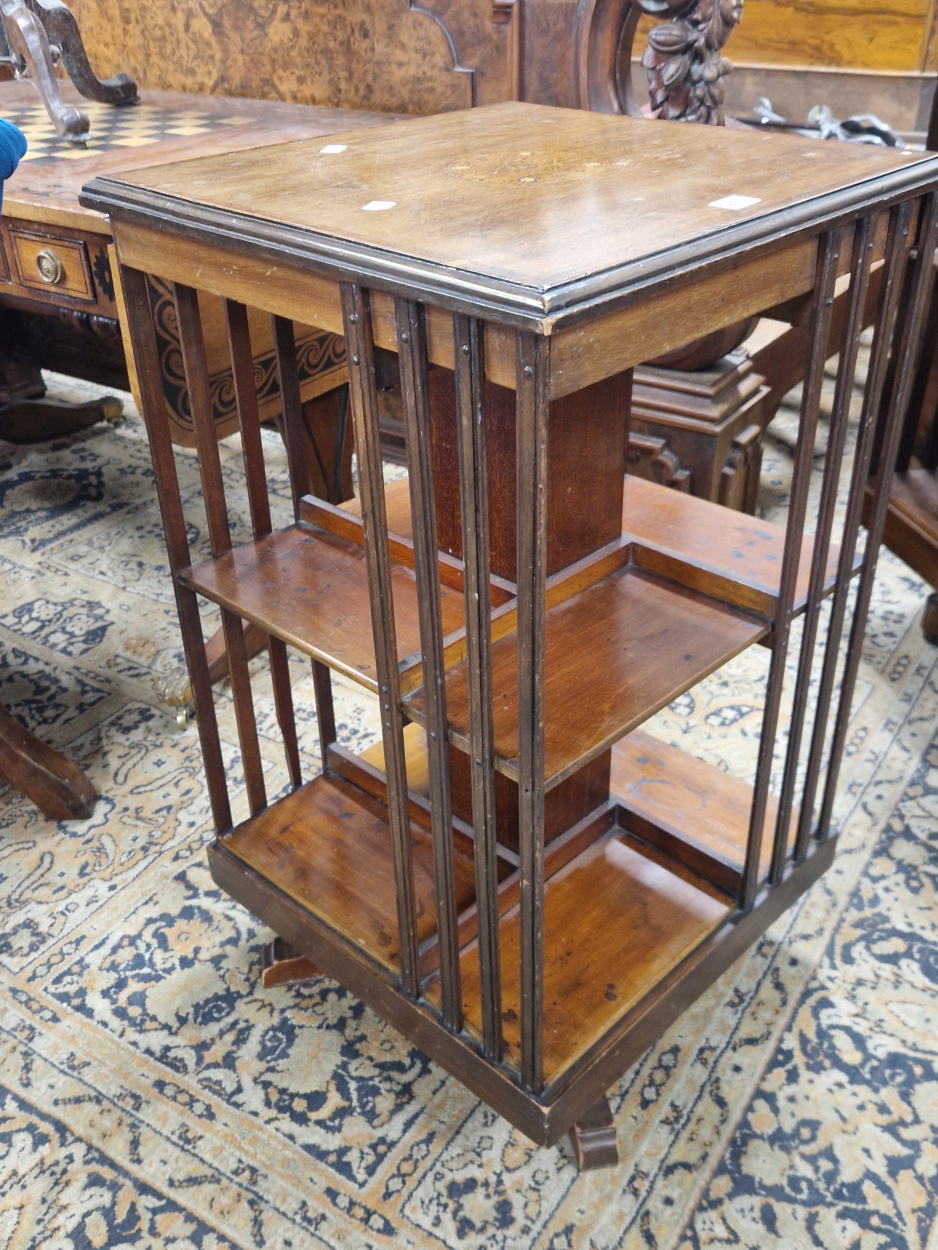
(594, 1138)
(59, 789)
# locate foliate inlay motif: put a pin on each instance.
(318, 352)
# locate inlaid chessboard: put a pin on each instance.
(129, 126)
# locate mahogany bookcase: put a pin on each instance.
(520, 878)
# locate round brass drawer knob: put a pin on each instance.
(50, 267)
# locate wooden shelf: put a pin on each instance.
(310, 588)
(723, 545)
(697, 813)
(328, 846)
(617, 920)
(729, 555)
(615, 654)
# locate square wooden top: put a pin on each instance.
(527, 207)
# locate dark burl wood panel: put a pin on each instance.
(374, 54)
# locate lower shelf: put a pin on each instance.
(617, 921)
(629, 899)
(696, 812)
(328, 846)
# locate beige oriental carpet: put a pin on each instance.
(153, 1094)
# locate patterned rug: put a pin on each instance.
(153, 1094)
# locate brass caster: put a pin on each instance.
(174, 691)
(112, 409)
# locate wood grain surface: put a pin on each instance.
(615, 654)
(310, 588)
(687, 799)
(328, 846)
(463, 187)
(865, 34)
(727, 554)
(617, 920)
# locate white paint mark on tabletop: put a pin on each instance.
(735, 201)
(332, 149)
(377, 206)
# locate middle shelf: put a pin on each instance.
(616, 653)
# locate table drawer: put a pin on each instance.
(58, 266)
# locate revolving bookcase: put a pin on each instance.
(519, 877)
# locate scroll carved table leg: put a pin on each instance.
(34, 34)
(29, 42)
(594, 1138)
(282, 963)
(58, 787)
(25, 415)
(40, 420)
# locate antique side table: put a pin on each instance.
(521, 879)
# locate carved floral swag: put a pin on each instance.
(683, 59)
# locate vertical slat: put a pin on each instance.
(325, 711)
(213, 489)
(470, 416)
(907, 355)
(531, 452)
(826, 276)
(242, 367)
(359, 344)
(843, 393)
(149, 377)
(291, 405)
(195, 368)
(283, 705)
(894, 264)
(339, 455)
(412, 354)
